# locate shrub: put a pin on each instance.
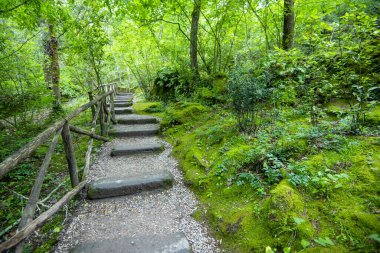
(248, 94)
(169, 83)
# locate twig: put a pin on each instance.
(55, 190)
(20, 47)
(7, 229)
(14, 7)
(26, 198)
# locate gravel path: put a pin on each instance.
(148, 213)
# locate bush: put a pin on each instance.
(248, 94)
(169, 83)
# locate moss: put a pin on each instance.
(182, 113)
(335, 249)
(247, 222)
(284, 204)
(155, 108)
(337, 106)
(197, 215)
(373, 116)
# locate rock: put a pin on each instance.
(173, 243)
(113, 187)
(136, 148)
(135, 130)
(136, 119)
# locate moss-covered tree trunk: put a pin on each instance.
(288, 32)
(54, 67)
(194, 37)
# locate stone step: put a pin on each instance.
(134, 130)
(122, 100)
(123, 110)
(124, 94)
(135, 119)
(113, 187)
(121, 104)
(172, 243)
(129, 149)
(118, 97)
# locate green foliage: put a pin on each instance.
(247, 94)
(171, 84)
(306, 181)
(182, 113)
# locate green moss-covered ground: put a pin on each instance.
(291, 185)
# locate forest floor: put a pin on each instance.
(292, 186)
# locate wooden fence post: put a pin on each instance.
(70, 155)
(101, 119)
(91, 97)
(112, 104)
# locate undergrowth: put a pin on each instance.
(291, 186)
(15, 187)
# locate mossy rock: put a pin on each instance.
(283, 206)
(182, 112)
(373, 116)
(213, 94)
(359, 222)
(335, 249)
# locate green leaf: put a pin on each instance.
(375, 237)
(324, 241)
(305, 243)
(298, 220)
(287, 250)
(268, 249)
(57, 230)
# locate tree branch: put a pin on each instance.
(21, 46)
(14, 7)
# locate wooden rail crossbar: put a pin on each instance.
(60, 128)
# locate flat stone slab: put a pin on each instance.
(129, 149)
(123, 110)
(122, 104)
(126, 97)
(124, 94)
(173, 243)
(113, 187)
(123, 100)
(134, 130)
(135, 119)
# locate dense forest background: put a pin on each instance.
(272, 106)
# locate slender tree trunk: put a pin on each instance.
(288, 33)
(47, 72)
(194, 37)
(54, 66)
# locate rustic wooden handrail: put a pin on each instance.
(63, 128)
(9, 163)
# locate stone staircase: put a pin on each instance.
(112, 230)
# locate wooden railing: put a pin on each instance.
(100, 113)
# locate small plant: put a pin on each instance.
(324, 181)
(248, 93)
(272, 169)
(298, 175)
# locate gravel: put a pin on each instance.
(148, 213)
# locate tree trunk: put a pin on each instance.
(54, 66)
(194, 37)
(288, 33)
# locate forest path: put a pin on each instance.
(156, 218)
